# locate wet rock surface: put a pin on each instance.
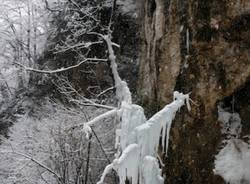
(200, 47)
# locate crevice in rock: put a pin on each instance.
(239, 102)
(152, 7)
(184, 27)
(202, 15)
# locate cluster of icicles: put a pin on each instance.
(137, 142)
(137, 139)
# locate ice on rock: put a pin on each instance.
(232, 163)
(231, 122)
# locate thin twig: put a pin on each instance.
(87, 164)
(82, 45)
(105, 91)
(92, 104)
(101, 146)
(39, 163)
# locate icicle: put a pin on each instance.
(131, 116)
(117, 138)
(139, 140)
(151, 174)
(127, 166)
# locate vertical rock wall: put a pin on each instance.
(201, 47)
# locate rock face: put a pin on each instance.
(202, 47)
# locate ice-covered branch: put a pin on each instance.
(78, 45)
(122, 91)
(105, 91)
(92, 104)
(98, 118)
(138, 140)
(58, 70)
(67, 89)
(107, 170)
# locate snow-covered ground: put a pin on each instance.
(29, 136)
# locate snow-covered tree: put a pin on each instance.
(24, 27)
(137, 139)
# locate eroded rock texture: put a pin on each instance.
(202, 47)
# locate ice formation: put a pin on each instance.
(150, 171)
(139, 142)
(137, 139)
(131, 116)
(233, 161)
(231, 123)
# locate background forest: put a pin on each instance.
(52, 36)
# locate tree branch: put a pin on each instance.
(92, 104)
(97, 119)
(58, 70)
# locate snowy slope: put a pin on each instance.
(30, 136)
(35, 136)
